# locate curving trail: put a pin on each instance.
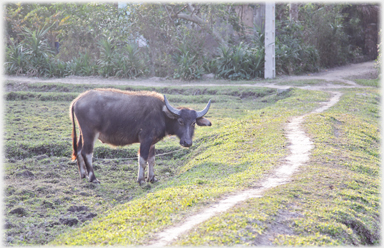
(300, 147)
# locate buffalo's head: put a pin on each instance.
(185, 120)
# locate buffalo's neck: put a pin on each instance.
(170, 126)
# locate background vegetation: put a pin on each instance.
(182, 41)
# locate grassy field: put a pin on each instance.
(43, 192)
(335, 200)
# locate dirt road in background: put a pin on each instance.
(364, 70)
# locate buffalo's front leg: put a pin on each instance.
(151, 163)
(143, 159)
(142, 165)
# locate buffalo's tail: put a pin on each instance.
(74, 137)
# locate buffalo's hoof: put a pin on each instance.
(141, 181)
(152, 180)
(95, 181)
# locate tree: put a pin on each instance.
(294, 11)
(369, 13)
(168, 27)
(190, 13)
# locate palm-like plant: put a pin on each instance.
(188, 66)
(240, 62)
(130, 65)
(38, 49)
(16, 59)
(105, 62)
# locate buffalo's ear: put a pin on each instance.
(203, 122)
(168, 113)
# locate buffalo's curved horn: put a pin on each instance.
(204, 111)
(171, 109)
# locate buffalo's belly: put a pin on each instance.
(117, 140)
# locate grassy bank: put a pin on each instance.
(232, 157)
(44, 196)
(333, 200)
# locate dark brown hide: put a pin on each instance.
(123, 117)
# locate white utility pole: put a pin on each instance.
(269, 42)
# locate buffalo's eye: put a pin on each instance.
(181, 122)
(193, 123)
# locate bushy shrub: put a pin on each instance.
(16, 59)
(188, 67)
(240, 62)
(126, 61)
(106, 60)
(55, 68)
(178, 46)
(323, 28)
(31, 56)
(132, 63)
(293, 55)
(188, 59)
(38, 51)
(83, 65)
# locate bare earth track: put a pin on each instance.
(340, 74)
(300, 147)
(300, 144)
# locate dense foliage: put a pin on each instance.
(181, 41)
(293, 55)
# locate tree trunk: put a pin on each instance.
(371, 41)
(246, 15)
(294, 12)
(203, 24)
(370, 15)
(259, 18)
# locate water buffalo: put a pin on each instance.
(121, 118)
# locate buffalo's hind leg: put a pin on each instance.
(79, 158)
(87, 154)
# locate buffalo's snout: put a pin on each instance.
(186, 143)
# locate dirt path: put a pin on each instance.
(339, 74)
(300, 147)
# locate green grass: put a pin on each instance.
(41, 179)
(252, 146)
(369, 82)
(334, 200)
(31, 116)
(313, 82)
(12, 86)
